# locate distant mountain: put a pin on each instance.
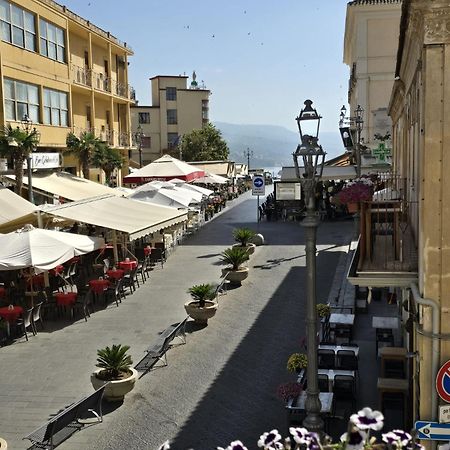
(272, 145)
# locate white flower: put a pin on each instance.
(270, 440)
(398, 438)
(355, 440)
(164, 446)
(235, 445)
(299, 434)
(366, 419)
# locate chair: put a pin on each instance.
(26, 322)
(116, 291)
(157, 255)
(325, 359)
(344, 388)
(37, 316)
(323, 382)
(82, 304)
(141, 270)
(384, 336)
(342, 335)
(130, 280)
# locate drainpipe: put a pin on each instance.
(435, 356)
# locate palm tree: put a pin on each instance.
(107, 159)
(17, 143)
(83, 148)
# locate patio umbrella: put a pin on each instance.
(180, 183)
(167, 194)
(165, 168)
(211, 178)
(42, 249)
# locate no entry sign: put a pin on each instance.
(443, 382)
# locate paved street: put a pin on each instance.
(218, 387)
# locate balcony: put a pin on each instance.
(81, 75)
(111, 137)
(386, 253)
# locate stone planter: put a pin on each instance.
(236, 277)
(250, 247)
(201, 315)
(117, 389)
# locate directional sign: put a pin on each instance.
(258, 185)
(433, 430)
(443, 382)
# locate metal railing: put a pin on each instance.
(81, 75)
(113, 138)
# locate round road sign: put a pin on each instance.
(443, 382)
(258, 182)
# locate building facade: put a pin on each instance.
(176, 109)
(66, 75)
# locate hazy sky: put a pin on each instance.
(260, 58)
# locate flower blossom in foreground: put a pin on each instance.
(366, 419)
(303, 437)
(235, 445)
(164, 446)
(354, 440)
(398, 438)
(270, 440)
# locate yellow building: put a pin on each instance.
(66, 75)
(175, 110)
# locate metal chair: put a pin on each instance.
(83, 302)
(323, 382)
(344, 388)
(37, 316)
(130, 280)
(325, 359)
(116, 292)
(26, 322)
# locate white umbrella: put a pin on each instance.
(184, 185)
(42, 249)
(211, 178)
(160, 196)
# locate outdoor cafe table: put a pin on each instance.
(385, 322)
(56, 270)
(65, 298)
(337, 348)
(298, 403)
(10, 315)
(342, 319)
(115, 274)
(332, 373)
(127, 265)
(99, 286)
(147, 251)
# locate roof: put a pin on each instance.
(15, 211)
(222, 168)
(135, 218)
(168, 76)
(66, 185)
(372, 2)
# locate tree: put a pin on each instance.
(206, 144)
(17, 143)
(83, 148)
(107, 159)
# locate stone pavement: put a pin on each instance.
(218, 387)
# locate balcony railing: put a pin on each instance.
(81, 75)
(111, 137)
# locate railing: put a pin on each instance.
(111, 137)
(81, 75)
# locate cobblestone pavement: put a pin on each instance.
(218, 387)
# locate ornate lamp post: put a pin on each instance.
(27, 124)
(138, 137)
(248, 154)
(313, 158)
(357, 121)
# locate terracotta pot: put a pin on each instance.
(352, 207)
(250, 247)
(116, 389)
(201, 315)
(236, 277)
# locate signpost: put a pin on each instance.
(443, 382)
(381, 152)
(258, 188)
(433, 430)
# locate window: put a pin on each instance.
(144, 117)
(171, 93)
(172, 140)
(55, 108)
(171, 116)
(52, 41)
(146, 142)
(20, 99)
(17, 26)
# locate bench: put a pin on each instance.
(157, 351)
(69, 420)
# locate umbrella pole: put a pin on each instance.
(114, 238)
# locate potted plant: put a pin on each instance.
(289, 390)
(235, 257)
(243, 236)
(323, 310)
(297, 362)
(114, 368)
(202, 306)
(356, 191)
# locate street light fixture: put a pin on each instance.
(27, 124)
(248, 153)
(138, 137)
(356, 121)
(313, 158)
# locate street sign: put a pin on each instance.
(433, 430)
(444, 414)
(258, 185)
(443, 382)
(381, 152)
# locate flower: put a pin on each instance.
(354, 440)
(235, 445)
(366, 419)
(358, 190)
(270, 440)
(289, 390)
(398, 438)
(164, 446)
(303, 437)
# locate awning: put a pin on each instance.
(15, 211)
(225, 169)
(135, 218)
(66, 185)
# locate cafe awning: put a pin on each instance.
(15, 211)
(135, 218)
(67, 186)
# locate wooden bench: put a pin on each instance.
(157, 351)
(69, 420)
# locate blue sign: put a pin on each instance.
(258, 182)
(258, 185)
(433, 430)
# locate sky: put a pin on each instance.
(261, 59)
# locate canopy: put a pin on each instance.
(184, 185)
(165, 168)
(135, 218)
(42, 249)
(211, 178)
(15, 211)
(160, 196)
(66, 185)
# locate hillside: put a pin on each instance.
(272, 145)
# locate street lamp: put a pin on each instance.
(248, 153)
(357, 121)
(313, 158)
(27, 124)
(138, 137)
